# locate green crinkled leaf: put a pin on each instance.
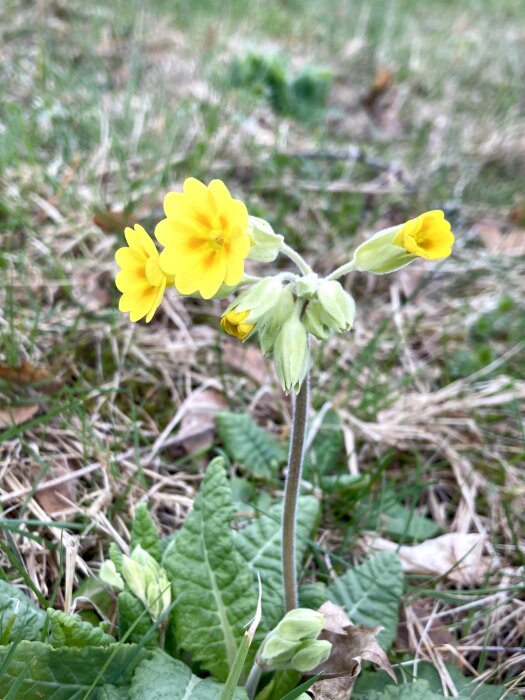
(420, 690)
(324, 456)
(116, 556)
(130, 608)
(282, 682)
(370, 594)
(395, 520)
(165, 678)
(213, 585)
(144, 532)
(29, 618)
(260, 547)
(313, 595)
(65, 674)
(110, 692)
(245, 442)
(71, 631)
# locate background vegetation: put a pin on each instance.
(331, 119)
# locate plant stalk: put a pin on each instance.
(296, 258)
(291, 494)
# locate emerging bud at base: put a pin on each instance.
(266, 244)
(294, 644)
(109, 574)
(300, 624)
(312, 653)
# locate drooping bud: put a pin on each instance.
(301, 624)
(291, 352)
(311, 653)
(234, 323)
(271, 323)
(109, 574)
(307, 286)
(315, 320)
(258, 299)
(266, 244)
(338, 305)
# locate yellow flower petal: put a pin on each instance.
(141, 280)
(428, 236)
(205, 236)
(233, 323)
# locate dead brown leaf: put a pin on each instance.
(382, 81)
(416, 615)
(16, 415)
(248, 360)
(456, 555)
(26, 374)
(197, 426)
(113, 221)
(351, 645)
(498, 241)
(58, 498)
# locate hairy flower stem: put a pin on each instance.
(343, 270)
(296, 258)
(291, 494)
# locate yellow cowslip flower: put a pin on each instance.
(233, 323)
(205, 234)
(141, 280)
(428, 236)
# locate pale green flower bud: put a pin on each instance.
(259, 299)
(277, 652)
(133, 575)
(311, 653)
(381, 254)
(291, 352)
(307, 286)
(315, 320)
(270, 324)
(149, 565)
(109, 574)
(300, 624)
(338, 305)
(266, 244)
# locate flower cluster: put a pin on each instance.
(207, 236)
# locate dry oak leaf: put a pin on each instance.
(26, 374)
(351, 645)
(456, 555)
(197, 426)
(16, 415)
(248, 360)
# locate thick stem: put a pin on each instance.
(291, 494)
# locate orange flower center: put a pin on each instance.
(216, 239)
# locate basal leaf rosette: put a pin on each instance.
(205, 238)
(141, 280)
